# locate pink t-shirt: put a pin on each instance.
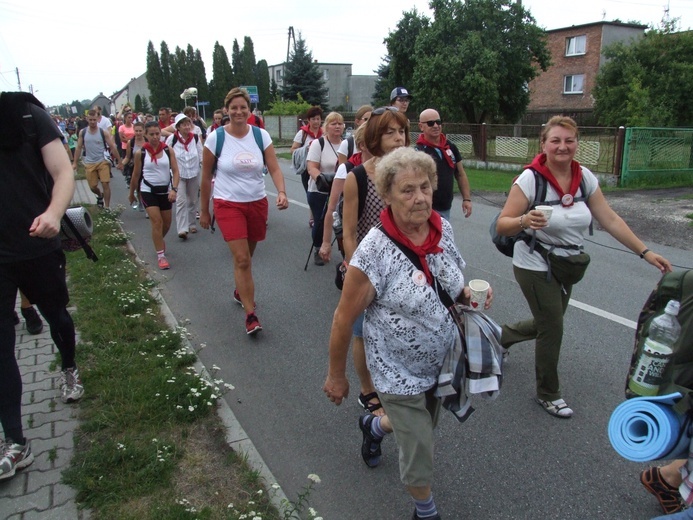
(129, 133)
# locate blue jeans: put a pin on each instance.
(687, 514)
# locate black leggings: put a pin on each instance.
(42, 280)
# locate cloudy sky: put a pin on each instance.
(77, 49)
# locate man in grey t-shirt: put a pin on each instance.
(96, 144)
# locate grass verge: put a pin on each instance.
(150, 445)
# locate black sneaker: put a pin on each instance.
(99, 201)
(417, 517)
(34, 324)
(370, 447)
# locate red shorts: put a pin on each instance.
(242, 220)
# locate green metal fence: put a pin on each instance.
(657, 156)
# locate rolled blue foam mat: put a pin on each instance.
(647, 428)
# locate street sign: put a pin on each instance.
(252, 92)
(203, 103)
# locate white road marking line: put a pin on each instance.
(291, 201)
(604, 314)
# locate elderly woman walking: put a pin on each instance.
(407, 328)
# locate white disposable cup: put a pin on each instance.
(479, 290)
(546, 210)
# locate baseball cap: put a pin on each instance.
(180, 118)
(400, 92)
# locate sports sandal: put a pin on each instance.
(370, 446)
(365, 401)
(667, 496)
(557, 408)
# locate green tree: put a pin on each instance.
(235, 57)
(142, 105)
(302, 76)
(475, 59)
(383, 85)
(246, 67)
(283, 107)
(200, 76)
(398, 66)
(222, 77)
(262, 80)
(647, 82)
(155, 78)
(170, 95)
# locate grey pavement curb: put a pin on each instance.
(236, 437)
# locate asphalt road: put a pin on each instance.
(511, 460)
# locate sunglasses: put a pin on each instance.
(380, 111)
(432, 122)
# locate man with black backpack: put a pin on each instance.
(448, 161)
(96, 143)
(38, 185)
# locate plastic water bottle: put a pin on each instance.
(135, 205)
(657, 352)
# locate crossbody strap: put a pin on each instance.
(445, 298)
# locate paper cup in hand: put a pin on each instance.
(546, 210)
(479, 290)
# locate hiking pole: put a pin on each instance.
(312, 246)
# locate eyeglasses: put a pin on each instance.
(380, 111)
(432, 122)
(403, 99)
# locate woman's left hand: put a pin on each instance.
(658, 261)
(467, 296)
(282, 201)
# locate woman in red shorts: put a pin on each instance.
(240, 201)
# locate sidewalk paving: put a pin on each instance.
(37, 492)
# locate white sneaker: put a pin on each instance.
(13, 457)
(70, 385)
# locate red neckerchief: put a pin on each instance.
(539, 164)
(430, 245)
(163, 124)
(444, 147)
(356, 159)
(185, 142)
(307, 130)
(153, 153)
(214, 127)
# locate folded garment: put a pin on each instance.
(647, 428)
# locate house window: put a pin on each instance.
(278, 74)
(573, 84)
(575, 45)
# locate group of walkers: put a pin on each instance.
(402, 267)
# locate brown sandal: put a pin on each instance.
(668, 496)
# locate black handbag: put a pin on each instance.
(324, 182)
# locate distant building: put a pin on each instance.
(343, 88)
(104, 102)
(576, 57)
(126, 95)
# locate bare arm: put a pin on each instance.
(616, 227)
(277, 177)
(172, 194)
(135, 180)
(169, 130)
(350, 216)
(326, 247)
(465, 189)
(78, 151)
(513, 219)
(128, 153)
(357, 294)
(47, 224)
(208, 162)
(114, 150)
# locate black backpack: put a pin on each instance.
(678, 376)
(506, 244)
(362, 182)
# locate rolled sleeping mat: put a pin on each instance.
(82, 221)
(647, 428)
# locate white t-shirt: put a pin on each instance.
(341, 171)
(298, 138)
(407, 329)
(566, 227)
(105, 124)
(344, 148)
(327, 159)
(239, 167)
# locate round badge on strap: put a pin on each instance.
(567, 200)
(419, 278)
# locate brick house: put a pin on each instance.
(576, 57)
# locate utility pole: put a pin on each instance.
(19, 83)
(288, 43)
